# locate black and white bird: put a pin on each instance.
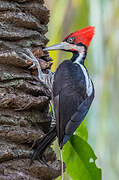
(72, 89)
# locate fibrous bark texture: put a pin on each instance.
(23, 99)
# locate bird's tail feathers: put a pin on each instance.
(43, 144)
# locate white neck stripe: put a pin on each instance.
(89, 86)
(80, 57)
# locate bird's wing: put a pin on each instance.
(69, 91)
(77, 118)
(72, 111)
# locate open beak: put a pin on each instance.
(55, 47)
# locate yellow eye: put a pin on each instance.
(70, 40)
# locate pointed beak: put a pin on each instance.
(55, 47)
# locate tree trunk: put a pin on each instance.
(24, 100)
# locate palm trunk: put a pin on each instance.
(23, 99)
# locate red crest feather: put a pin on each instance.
(83, 36)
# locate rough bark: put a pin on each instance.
(23, 99)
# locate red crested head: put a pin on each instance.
(76, 42)
(83, 36)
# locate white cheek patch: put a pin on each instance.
(68, 46)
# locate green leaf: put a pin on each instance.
(82, 131)
(80, 160)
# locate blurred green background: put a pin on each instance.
(103, 65)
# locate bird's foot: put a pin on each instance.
(35, 63)
(46, 79)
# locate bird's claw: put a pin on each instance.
(32, 66)
(29, 56)
(32, 61)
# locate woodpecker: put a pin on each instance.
(72, 89)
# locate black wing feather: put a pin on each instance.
(77, 118)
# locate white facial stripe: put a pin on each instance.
(68, 46)
(89, 86)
